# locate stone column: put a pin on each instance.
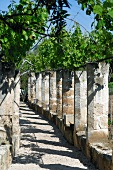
(29, 88)
(37, 86)
(97, 91)
(7, 72)
(59, 93)
(36, 92)
(40, 85)
(15, 118)
(6, 102)
(43, 89)
(45, 92)
(52, 96)
(33, 88)
(80, 118)
(80, 101)
(68, 97)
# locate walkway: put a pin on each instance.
(44, 148)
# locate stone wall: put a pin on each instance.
(78, 105)
(9, 114)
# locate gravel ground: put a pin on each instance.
(44, 148)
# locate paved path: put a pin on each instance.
(44, 148)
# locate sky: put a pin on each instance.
(75, 13)
(80, 16)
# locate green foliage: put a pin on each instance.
(24, 82)
(23, 24)
(103, 11)
(110, 122)
(72, 49)
(65, 51)
(110, 85)
(18, 29)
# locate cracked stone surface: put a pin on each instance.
(43, 146)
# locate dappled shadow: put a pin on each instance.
(26, 109)
(59, 167)
(33, 153)
(47, 142)
(98, 87)
(5, 88)
(26, 122)
(34, 130)
(73, 153)
(28, 117)
(34, 158)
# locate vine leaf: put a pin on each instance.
(98, 9)
(110, 12)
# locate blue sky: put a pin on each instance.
(80, 16)
(4, 4)
(75, 13)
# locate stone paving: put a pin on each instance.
(44, 148)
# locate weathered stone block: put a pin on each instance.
(80, 100)
(97, 77)
(68, 88)
(15, 144)
(5, 157)
(6, 120)
(15, 118)
(15, 129)
(69, 119)
(3, 136)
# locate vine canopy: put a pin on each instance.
(25, 22)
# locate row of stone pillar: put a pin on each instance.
(9, 112)
(79, 98)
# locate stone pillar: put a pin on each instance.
(68, 97)
(6, 102)
(97, 104)
(37, 86)
(80, 118)
(33, 88)
(80, 101)
(59, 93)
(52, 96)
(15, 118)
(45, 92)
(38, 92)
(40, 85)
(29, 88)
(7, 72)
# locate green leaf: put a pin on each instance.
(110, 12)
(101, 23)
(13, 33)
(5, 39)
(98, 9)
(24, 32)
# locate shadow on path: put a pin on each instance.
(59, 167)
(30, 152)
